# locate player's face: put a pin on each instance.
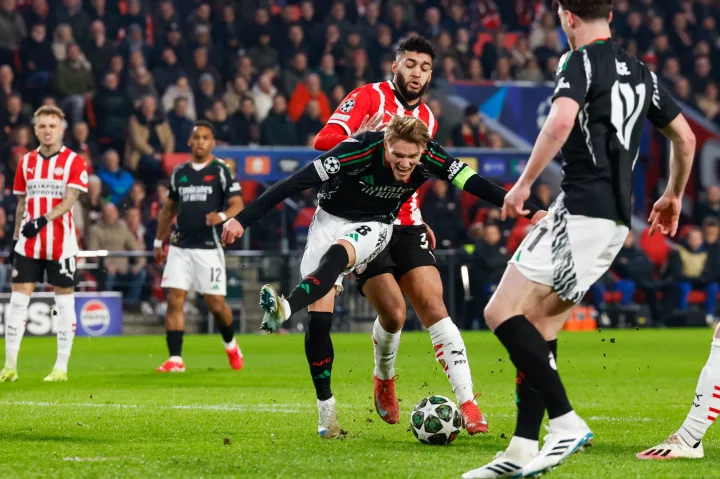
(412, 72)
(402, 157)
(201, 142)
(49, 130)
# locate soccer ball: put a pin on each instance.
(436, 420)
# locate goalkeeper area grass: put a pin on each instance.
(117, 417)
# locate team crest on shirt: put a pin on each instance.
(84, 177)
(58, 171)
(332, 165)
(347, 105)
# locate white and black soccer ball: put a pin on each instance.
(436, 420)
(331, 165)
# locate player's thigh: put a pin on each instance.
(26, 273)
(178, 272)
(410, 249)
(385, 296)
(605, 258)
(424, 289)
(62, 273)
(550, 316)
(208, 271)
(515, 295)
(321, 235)
(382, 264)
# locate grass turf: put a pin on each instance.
(117, 417)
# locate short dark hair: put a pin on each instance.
(206, 124)
(586, 9)
(418, 44)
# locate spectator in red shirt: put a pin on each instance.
(310, 89)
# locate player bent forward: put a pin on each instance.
(48, 182)
(198, 190)
(363, 182)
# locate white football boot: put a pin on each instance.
(674, 447)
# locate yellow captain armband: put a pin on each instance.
(465, 174)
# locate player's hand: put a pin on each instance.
(514, 204)
(213, 219)
(370, 124)
(665, 215)
(232, 230)
(538, 216)
(32, 228)
(159, 254)
(431, 236)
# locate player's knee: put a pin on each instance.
(432, 309)
(392, 319)
(494, 315)
(216, 306)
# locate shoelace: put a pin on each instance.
(474, 414)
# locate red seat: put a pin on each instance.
(655, 247)
(249, 190)
(171, 160)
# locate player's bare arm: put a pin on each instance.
(32, 228)
(666, 211)
(235, 206)
(19, 213)
(552, 137)
(165, 218)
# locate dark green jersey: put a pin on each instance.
(197, 193)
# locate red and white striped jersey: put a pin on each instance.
(44, 182)
(382, 96)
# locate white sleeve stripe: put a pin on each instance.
(588, 70)
(338, 122)
(16, 192)
(78, 187)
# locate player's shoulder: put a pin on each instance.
(222, 166)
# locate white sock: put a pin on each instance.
(386, 346)
(231, 345)
(177, 359)
(706, 405)
(522, 448)
(567, 422)
(450, 353)
(15, 327)
(66, 323)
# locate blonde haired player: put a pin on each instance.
(48, 182)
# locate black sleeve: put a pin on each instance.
(663, 108)
(173, 193)
(570, 78)
(304, 178)
(231, 187)
(440, 164)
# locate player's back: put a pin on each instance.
(616, 93)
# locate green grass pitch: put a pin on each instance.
(116, 417)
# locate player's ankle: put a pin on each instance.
(522, 447)
(177, 359)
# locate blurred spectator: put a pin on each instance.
(444, 128)
(382, 46)
(430, 27)
(149, 136)
(264, 55)
(38, 60)
(132, 16)
(542, 196)
(181, 89)
(99, 50)
(62, 37)
(175, 41)
(227, 30)
(306, 91)
(98, 11)
(475, 71)
(502, 70)
(235, 91)
(165, 20)
(531, 72)
(710, 206)
(277, 129)
(113, 235)
(545, 26)
(112, 109)
(117, 66)
(7, 77)
(73, 82)
(294, 73)
(337, 96)
(201, 68)
(81, 143)
(180, 124)
(708, 100)
(206, 96)
(711, 240)
(370, 22)
(13, 117)
(358, 72)
(92, 202)
(38, 12)
(521, 53)
(441, 212)
(702, 75)
(471, 131)
(263, 93)
(12, 29)
(689, 268)
(18, 142)
(116, 180)
(310, 123)
(488, 263)
(248, 128)
(72, 13)
(167, 70)
(136, 198)
(136, 61)
(141, 85)
(225, 131)
(495, 141)
(245, 69)
(295, 44)
(397, 21)
(326, 72)
(215, 56)
(550, 48)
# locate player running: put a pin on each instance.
(363, 183)
(407, 265)
(198, 190)
(48, 182)
(602, 98)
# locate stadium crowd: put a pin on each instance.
(133, 75)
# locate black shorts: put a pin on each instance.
(409, 248)
(30, 270)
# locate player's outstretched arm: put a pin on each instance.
(165, 218)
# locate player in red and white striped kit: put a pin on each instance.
(407, 265)
(48, 182)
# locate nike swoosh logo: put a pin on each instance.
(380, 410)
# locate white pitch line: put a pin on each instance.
(286, 408)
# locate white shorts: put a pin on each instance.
(569, 252)
(369, 239)
(201, 269)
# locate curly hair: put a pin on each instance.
(417, 44)
(586, 9)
